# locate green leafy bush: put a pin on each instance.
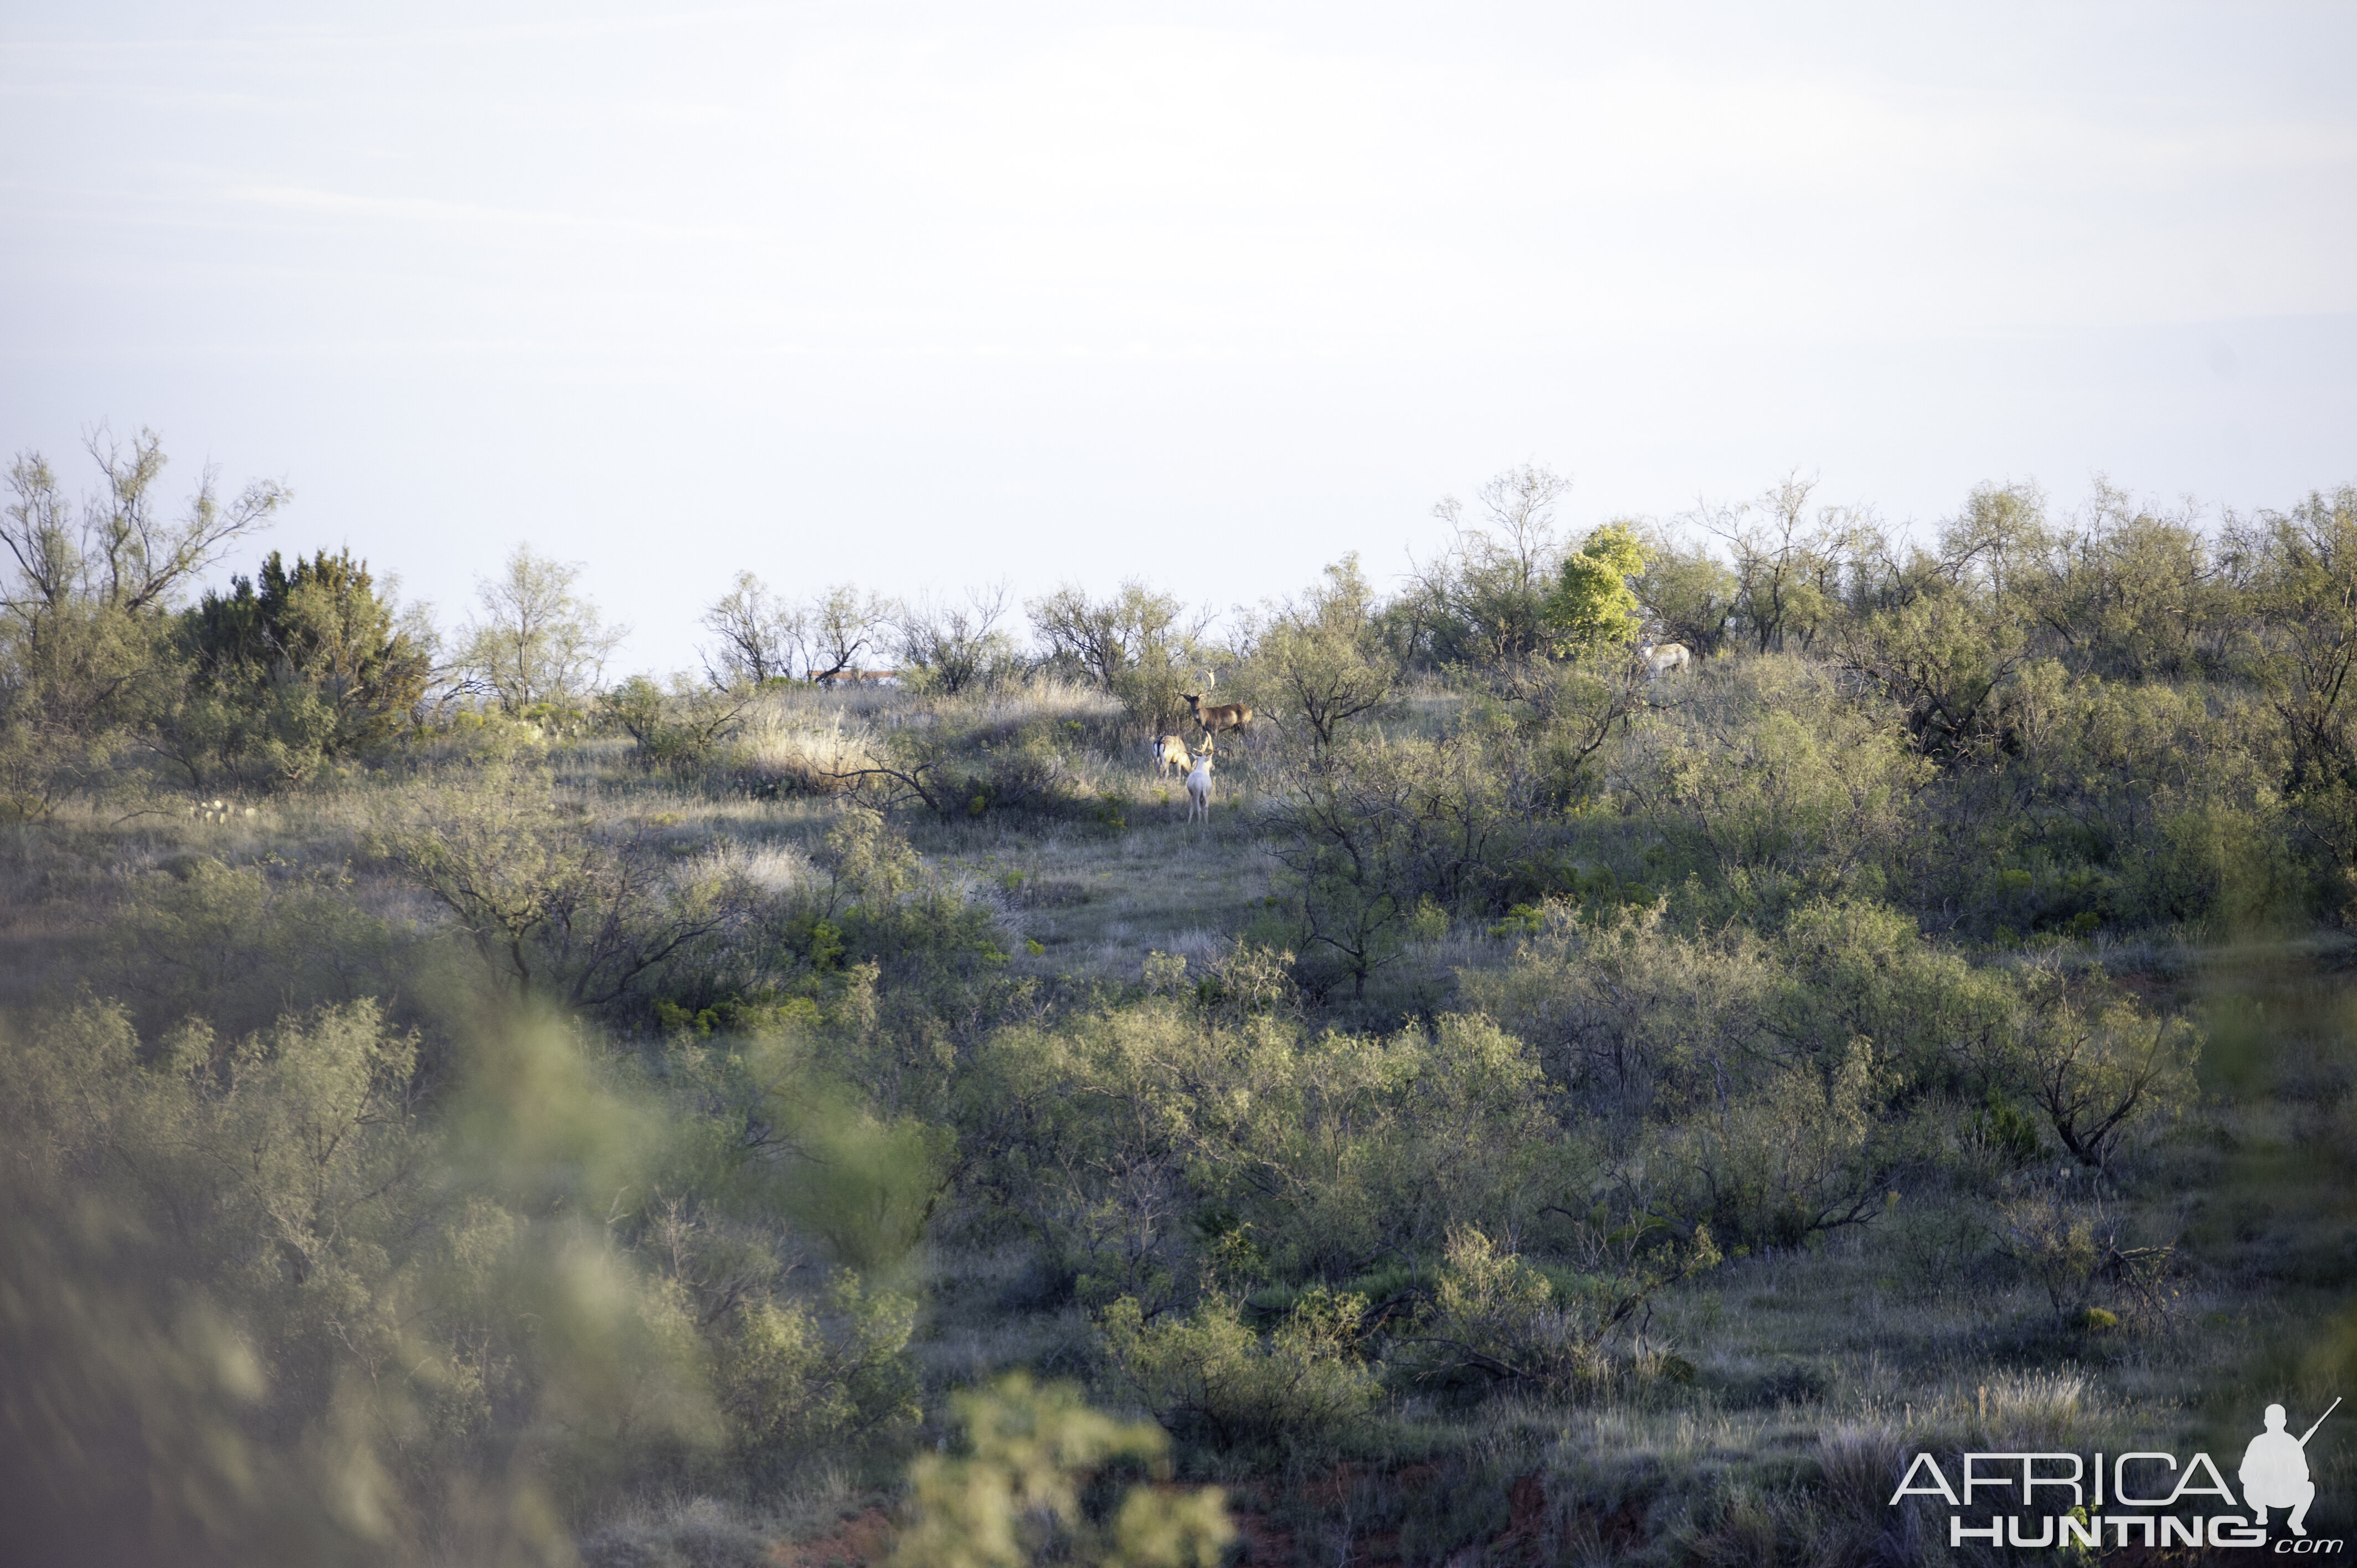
(394, 1320)
(1109, 1131)
(296, 668)
(794, 1380)
(676, 731)
(1499, 1322)
(1301, 1387)
(1021, 1491)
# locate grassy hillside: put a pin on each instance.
(1548, 1111)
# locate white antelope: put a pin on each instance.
(1168, 752)
(1198, 788)
(1661, 658)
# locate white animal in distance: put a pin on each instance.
(1198, 788)
(1661, 658)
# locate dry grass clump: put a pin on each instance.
(466, 736)
(1011, 706)
(771, 868)
(813, 742)
(792, 750)
(690, 1530)
(2030, 1408)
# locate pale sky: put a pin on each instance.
(1208, 293)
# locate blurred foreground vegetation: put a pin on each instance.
(458, 1106)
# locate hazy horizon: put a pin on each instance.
(1087, 294)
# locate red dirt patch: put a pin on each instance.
(863, 1538)
(1415, 1477)
(1265, 1545)
(1535, 1532)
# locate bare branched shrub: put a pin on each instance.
(1140, 645)
(762, 636)
(85, 658)
(1383, 838)
(558, 907)
(1484, 601)
(1799, 1150)
(2105, 1073)
(1322, 661)
(952, 648)
(536, 638)
(2080, 1249)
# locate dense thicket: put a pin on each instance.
(565, 1092)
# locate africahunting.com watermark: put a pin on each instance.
(2139, 1499)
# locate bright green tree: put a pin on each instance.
(1592, 604)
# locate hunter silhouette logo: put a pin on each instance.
(2275, 1471)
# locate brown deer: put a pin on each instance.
(1218, 716)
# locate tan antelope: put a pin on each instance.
(1168, 752)
(1199, 788)
(1218, 716)
(1661, 658)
